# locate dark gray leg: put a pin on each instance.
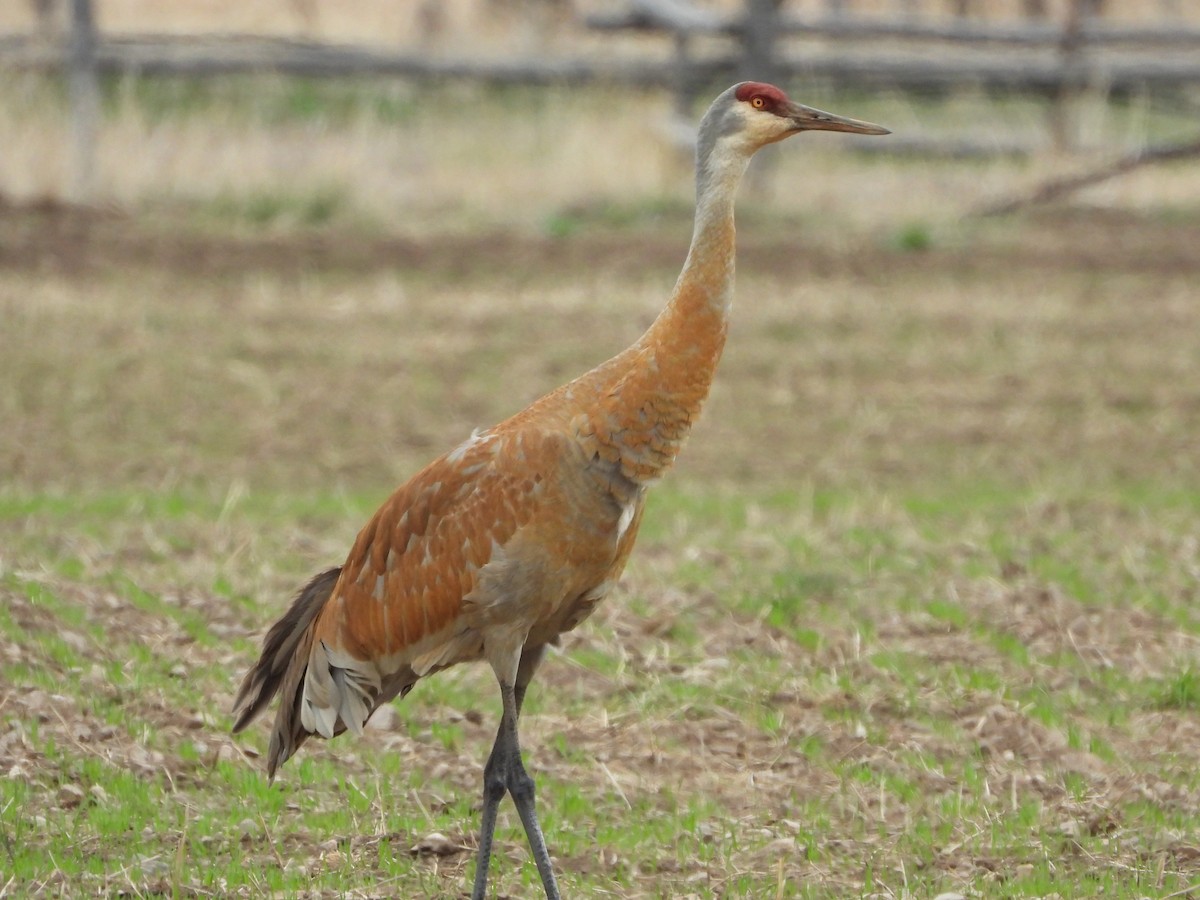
(505, 773)
(493, 793)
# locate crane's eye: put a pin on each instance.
(758, 102)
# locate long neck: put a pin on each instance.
(667, 374)
(703, 294)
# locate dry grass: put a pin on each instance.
(985, 359)
(456, 158)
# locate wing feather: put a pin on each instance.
(399, 599)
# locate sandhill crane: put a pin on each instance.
(498, 547)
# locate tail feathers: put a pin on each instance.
(339, 690)
(280, 669)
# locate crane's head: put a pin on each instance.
(753, 114)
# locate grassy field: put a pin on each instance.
(916, 613)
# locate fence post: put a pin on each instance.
(44, 10)
(684, 76)
(1062, 111)
(759, 28)
(84, 93)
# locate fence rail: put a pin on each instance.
(233, 54)
(906, 52)
(649, 17)
(1032, 55)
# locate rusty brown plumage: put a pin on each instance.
(495, 549)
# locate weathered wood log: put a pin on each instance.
(964, 31)
(209, 57)
(1057, 188)
(84, 92)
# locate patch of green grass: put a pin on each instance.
(651, 212)
(246, 99)
(310, 208)
(943, 611)
(913, 238)
(1181, 691)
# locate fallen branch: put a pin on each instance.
(1060, 187)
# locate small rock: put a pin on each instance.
(37, 702)
(74, 640)
(70, 796)
(328, 846)
(384, 719)
(144, 758)
(781, 847)
(99, 794)
(950, 895)
(153, 866)
(436, 844)
(248, 828)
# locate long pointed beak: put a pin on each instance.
(805, 118)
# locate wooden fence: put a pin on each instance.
(908, 52)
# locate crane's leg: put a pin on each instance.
(505, 773)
